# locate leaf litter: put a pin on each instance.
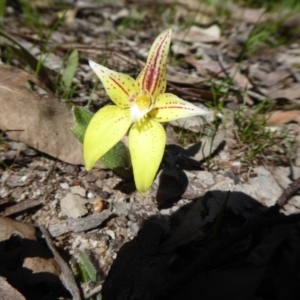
(41, 121)
(207, 66)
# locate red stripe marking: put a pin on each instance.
(118, 84)
(154, 73)
(167, 107)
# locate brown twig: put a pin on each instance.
(97, 289)
(292, 72)
(288, 192)
(66, 275)
(239, 89)
(223, 67)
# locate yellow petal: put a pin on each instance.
(147, 140)
(119, 87)
(106, 128)
(153, 76)
(169, 107)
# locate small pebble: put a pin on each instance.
(64, 186)
(90, 195)
(101, 250)
(78, 190)
(98, 205)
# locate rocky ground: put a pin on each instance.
(188, 235)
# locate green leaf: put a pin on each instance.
(87, 265)
(82, 120)
(117, 158)
(2, 11)
(26, 56)
(83, 276)
(99, 296)
(70, 70)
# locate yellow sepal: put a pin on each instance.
(169, 107)
(119, 87)
(106, 128)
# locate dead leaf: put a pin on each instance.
(284, 117)
(233, 72)
(69, 15)
(39, 266)
(179, 48)
(9, 227)
(268, 78)
(41, 122)
(121, 14)
(247, 15)
(288, 57)
(197, 64)
(291, 93)
(197, 34)
(35, 262)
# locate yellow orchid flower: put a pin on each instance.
(141, 105)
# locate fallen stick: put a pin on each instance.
(79, 225)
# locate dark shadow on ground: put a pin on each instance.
(41, 284)
(221, 246)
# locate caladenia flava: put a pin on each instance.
(140, 106)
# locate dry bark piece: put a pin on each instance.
(20, 206)
(39, 121)
(79, 225)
